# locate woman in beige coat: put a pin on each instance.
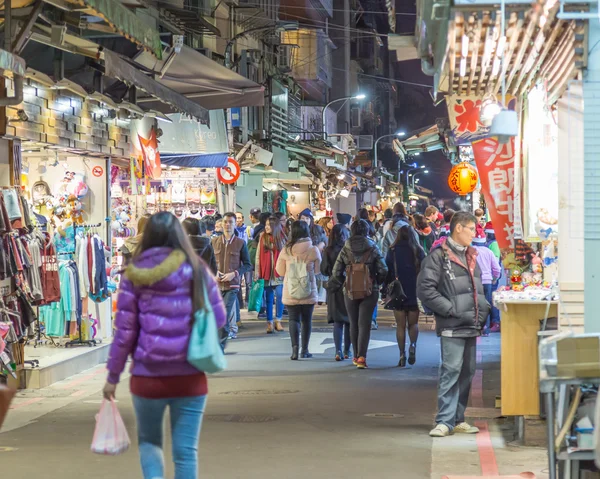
(298, 263)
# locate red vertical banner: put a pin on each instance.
(151, 155)
(496, 166)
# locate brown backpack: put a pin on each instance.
(359, 284)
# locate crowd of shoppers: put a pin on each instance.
(445, 263)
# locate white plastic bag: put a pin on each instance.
(110, 435)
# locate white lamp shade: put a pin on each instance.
(505, 125)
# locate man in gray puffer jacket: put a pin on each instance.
(450, 285)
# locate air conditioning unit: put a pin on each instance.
(259, 135)
(355, 117)
(284, 58)
(254, 56)
(207, 52)
(364, 142)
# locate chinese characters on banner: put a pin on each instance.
(464, 114)
(151, 155)
(496, 166)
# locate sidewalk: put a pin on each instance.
(371, 423)
(493, 452)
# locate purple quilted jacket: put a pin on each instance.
(154, 315)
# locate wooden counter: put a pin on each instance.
(520, 323)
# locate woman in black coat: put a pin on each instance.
(404, 262)
(336, 306)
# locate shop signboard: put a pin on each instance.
(464, 114)
(496, 166)
(187, 136)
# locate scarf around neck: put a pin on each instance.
(267, 260)
(455, 246)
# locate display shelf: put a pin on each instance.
(582, 455)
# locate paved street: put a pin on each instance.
(269, 417)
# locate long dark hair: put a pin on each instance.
(275, 239)
(360, 228)
(192, 226)
(420, 222)
(405, 234)
(300, 231)
(337, 238)
(164, 230)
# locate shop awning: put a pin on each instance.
(208, 160)
(189, 144)
(161, 95)
(426, 139)
(200, 79)
(468, 60)
(126, 23)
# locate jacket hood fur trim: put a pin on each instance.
(149, 276)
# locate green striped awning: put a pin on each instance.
(126, 23)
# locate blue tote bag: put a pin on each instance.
(204, 351)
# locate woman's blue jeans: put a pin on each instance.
(186, 420)
(274, 294)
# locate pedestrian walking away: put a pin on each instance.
(362, 269)
(233, 262)
(449, 284)
(298, 264)
(201, 244)
(404, 263)
(270, 244)
(336, 304)
(490, 273)
(426, 233)
(319, 239)
(159, 293)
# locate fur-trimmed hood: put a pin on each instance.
(158, 265)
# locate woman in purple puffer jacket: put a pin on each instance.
(160, 290)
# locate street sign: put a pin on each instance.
(230, 173)
(97, 171)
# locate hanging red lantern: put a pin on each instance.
(463, 178)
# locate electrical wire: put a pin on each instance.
(334, 9)
(326, 25)
(377, 77)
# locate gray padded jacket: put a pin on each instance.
(453, 290)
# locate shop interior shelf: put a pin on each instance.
(587, 455)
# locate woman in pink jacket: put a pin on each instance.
(298, 263)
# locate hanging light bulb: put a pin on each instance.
(489, 109)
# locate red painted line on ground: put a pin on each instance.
(487, 457)
(77, 382)
(78, 393)
(26, 403)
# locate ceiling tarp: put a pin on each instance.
(125, 22)
(116, 67)
(202, 80)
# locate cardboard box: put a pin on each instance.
(579, 357)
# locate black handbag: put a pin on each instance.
(395, 292)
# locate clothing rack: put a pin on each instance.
(79, 341)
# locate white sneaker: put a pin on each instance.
(441, 430)
(465, 428)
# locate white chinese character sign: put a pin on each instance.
(464, 113)
(496, 166)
